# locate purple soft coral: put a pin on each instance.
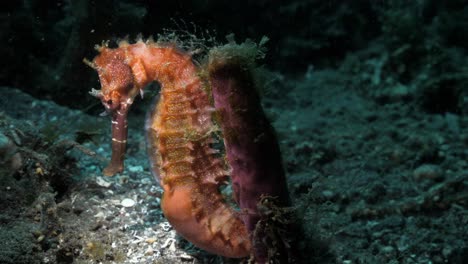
(251, 146)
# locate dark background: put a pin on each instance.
(44, 42)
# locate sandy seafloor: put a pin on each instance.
(375, 181)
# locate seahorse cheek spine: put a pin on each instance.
(179, 134)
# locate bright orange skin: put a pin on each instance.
(179, 134)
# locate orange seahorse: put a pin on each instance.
(180, 131)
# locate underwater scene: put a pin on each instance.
(226, 132)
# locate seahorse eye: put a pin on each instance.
(109, 102)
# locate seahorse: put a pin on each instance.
(180, 133)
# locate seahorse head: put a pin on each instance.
(116, 78)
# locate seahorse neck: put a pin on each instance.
(167, 65)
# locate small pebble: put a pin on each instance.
(101, 182)
(127, 202)
(40, 238)
(427, 171)
(150, 240)
(99, 215)
(172, 247)
(328, 194)
(446, 252)
(149, 252)
(135, 168)
(186, 257)
(387, 249)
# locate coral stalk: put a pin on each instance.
(250, 142)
